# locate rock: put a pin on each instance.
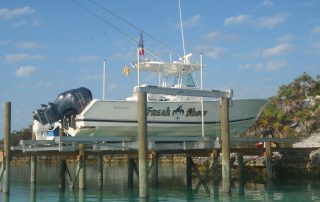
(315, 157)
(312, 141)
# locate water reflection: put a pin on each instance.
(171, 186)
(6, 197)
(33, 192)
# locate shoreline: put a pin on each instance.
(297, 163)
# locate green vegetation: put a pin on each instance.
(294, 111)
(23, 134)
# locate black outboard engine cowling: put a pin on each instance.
(68, 104)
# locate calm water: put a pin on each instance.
(171, 187)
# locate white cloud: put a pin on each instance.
(25, 71)
(286, 38)
(248, 66)
(94, 77)
(316, 45)
(314, 49)
(20, 23)
(191, 22)
(248, 55)
(316, 30)
(217, 36)
(275, 65)
(85, 58)
(307, 4)
(266, 66)
(271, 21)
(267, 3)
(10, 58)
(36, 22)
(278, 49)
(46, 84)
(6, 13)
(113, 87)
(29, 45)
(240, 19)
(213, 52)
(5, 42)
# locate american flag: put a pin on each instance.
(140, 46)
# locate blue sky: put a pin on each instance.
(253, 47)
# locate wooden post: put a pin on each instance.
(82, 172)
(130, 171)
(240, 166)
(33, 162)
(63, 167)
(6, 147)
(189, 171)
(82, 195)
(268, 156)
(143, 147)
(225, 147)
(154, 168)
(33, 192)
(100, 170)
(241, 172)
(215, 167)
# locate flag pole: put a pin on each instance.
(138, 66)
(201, 86)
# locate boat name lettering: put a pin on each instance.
(191, 112)
(158, 112)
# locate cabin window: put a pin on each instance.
(187, 80)
(184, 81)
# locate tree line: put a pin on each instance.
(294, 111)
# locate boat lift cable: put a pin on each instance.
(135, 27)
(114, 27)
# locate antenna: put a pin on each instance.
(104, 80)
(181, 26)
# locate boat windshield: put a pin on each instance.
(184, 81)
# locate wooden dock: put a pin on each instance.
(142, 151)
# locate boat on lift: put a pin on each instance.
(167, 115)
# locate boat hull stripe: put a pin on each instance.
(163, 122)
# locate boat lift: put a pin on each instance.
(97, 143)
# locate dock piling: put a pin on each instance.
(7, 146)
(268, 156)
(63, 166)
(215, 167)
(33, 163)
(82, 172)
(240, 166)
(143, 145)
(225, 147)
(189, 171)
(130, 171)
(100, 170)
(154, 168)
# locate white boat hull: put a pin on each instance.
(165, 118)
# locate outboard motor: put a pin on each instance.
(67, 105)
